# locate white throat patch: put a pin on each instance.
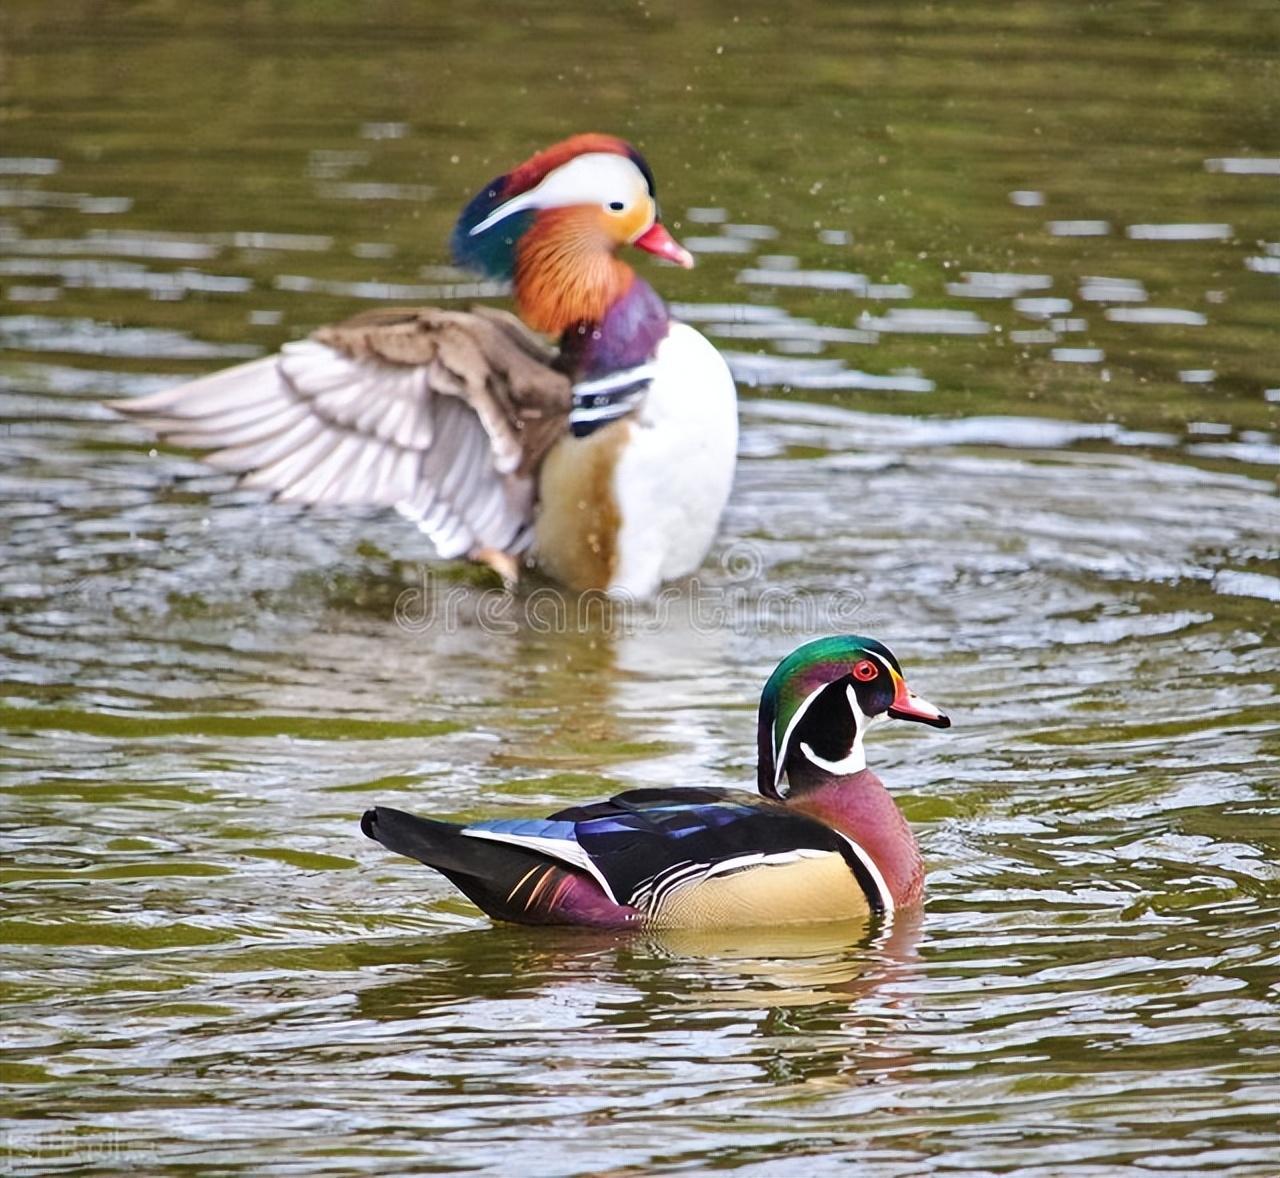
(855, 760)
(852, 762)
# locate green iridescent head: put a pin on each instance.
(821, 699)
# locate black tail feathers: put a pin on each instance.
(437, 844)
(490, 874)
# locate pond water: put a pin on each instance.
(999, 283)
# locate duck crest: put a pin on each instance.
(493, 251)
(535, 169)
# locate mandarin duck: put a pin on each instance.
(823, 842)
(608, 458)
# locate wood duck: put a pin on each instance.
(609, 458)
(823, 842)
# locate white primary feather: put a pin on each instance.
(318, 426)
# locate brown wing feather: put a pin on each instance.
(486, 356)
(445, 415)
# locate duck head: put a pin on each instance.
(553, 227)
(817, 707)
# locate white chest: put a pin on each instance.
(673, 477)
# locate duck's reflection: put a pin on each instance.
(795, 965)
(834, 964)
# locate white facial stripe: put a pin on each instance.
(856, 708)
(780, 752)
(598, 177)
(871, 654)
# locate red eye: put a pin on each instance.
(865, 670)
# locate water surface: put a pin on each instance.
(1000, 288)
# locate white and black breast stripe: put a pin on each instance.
(607, 398)
(869, 878)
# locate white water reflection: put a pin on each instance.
(80, 202)
(981, 285)
(1042, 308)
(728, 312)
(791, 330)
(362, 190)
(758, 370)
(717, 245)
(28, 166)
(920, 320)
(391, 291)
(816, 279)
(1180, 232)
(1112, 290)
(1078, 228)
(1180, 316)
(751, 232)
(1078, 355)
(129, 245)
(39, 333)
(1246, 166)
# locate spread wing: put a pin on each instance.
(645, 845)
(443, 415)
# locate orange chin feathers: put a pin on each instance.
(566, 271)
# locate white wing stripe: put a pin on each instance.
(560, 849)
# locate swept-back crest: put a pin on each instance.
(484, 240)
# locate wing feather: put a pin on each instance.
(651, 844)
(444, 415)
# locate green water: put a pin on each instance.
(1061, 515)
